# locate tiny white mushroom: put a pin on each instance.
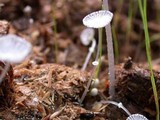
(86, 36)
(95, 63)
(94, 92)
(131, 116)
(14, 49)
(27, 9)
(98, 19)
(136, 117)
(31, 20)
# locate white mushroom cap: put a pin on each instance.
(94, 92)
(14, 49)
(95, 63)
(27, 9)
(86, 36)
(136, 117)
(98, 19)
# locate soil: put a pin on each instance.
(49, 84)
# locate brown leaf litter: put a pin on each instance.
(43, 91)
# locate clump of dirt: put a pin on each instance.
(43, 90)
(52, 91)
(133, 88)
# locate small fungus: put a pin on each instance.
(14, 49)
(94, 92)
(98, 19)
(87, 36)
(136, 117)
(27, 9)
(131, 116)
(95, 63)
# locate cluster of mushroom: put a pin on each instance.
(100, 19)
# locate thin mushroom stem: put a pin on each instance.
(99, 51)
(7, 66)
(105, 5)
(86, 61)
(110, 60)
(120, 105)
(110, 54)
(91, 50)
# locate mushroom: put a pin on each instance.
(120, 105)
(86, 37)
(98, 20)
(136, 117)
(14, 49)
(94, 92)
(27, 10)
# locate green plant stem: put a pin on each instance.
(148, 51)
(99, 54)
